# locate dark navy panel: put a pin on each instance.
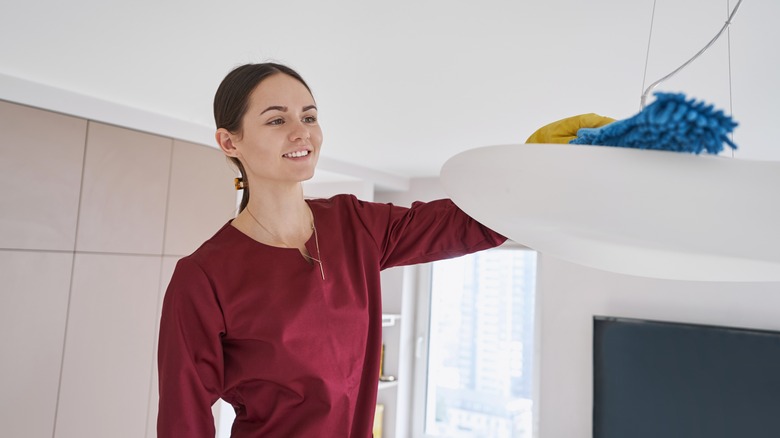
(660, 379)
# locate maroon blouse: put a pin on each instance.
(295, 355)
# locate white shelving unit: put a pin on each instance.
(390, 319)
(386, 385)
(397, 339)
(388, 389)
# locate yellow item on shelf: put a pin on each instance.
(565, 130)
(378, 416)
(382, 362)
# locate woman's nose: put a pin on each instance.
(299, 131)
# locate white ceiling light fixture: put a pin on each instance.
(646, 213)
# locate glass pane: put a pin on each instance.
(481, 346)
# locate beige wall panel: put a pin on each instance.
(33, 306)
(109, 347)
(202, 196)
(41, 155)
(124, 191)
(168, 265)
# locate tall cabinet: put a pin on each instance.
(92, 220)
(398, 339)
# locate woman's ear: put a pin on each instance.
(225, 142)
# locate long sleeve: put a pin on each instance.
(296, 354)
(190, 362)
(427, 231)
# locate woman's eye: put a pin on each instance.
(310, 119)
(276, 122)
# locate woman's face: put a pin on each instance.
(281, 137)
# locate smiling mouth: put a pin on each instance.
(296, 154)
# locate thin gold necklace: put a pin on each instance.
(275, 236)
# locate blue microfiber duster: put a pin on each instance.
(671, 123)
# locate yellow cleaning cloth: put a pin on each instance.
(565, 130)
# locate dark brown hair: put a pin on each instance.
(231, 102)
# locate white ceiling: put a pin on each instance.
(404, 85)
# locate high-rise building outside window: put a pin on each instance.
(480, 347)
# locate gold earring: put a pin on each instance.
(239, 183)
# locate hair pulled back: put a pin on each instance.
(231, 102)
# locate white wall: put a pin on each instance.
(570, 295)
(420, 189)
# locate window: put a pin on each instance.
(475, 377)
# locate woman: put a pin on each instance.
(279, 313)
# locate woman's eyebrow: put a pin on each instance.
(284, 108)
(276, 107)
